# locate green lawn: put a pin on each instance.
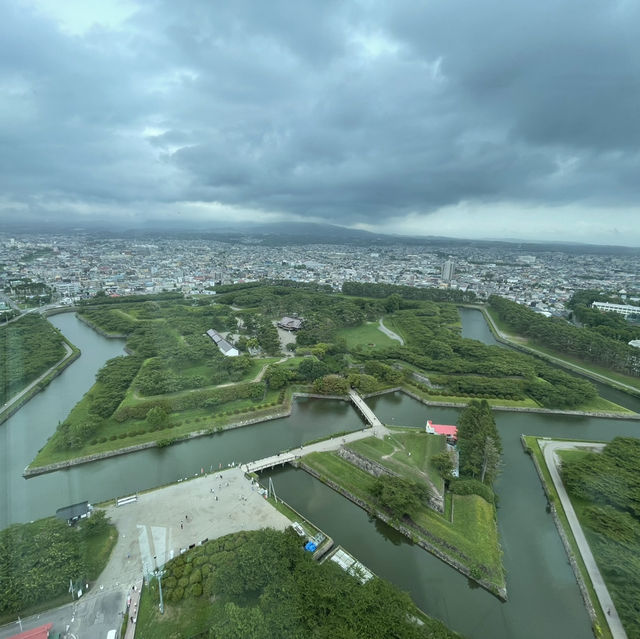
(473, 532)
(408, 453)
(368, 336)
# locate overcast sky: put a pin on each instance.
(484, 118)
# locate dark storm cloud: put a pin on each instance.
(351, 112)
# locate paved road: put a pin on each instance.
(25, 390)
(90, 617)
(549, 449)
(389, 333)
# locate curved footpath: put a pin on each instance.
(549, 449)
(389, 333)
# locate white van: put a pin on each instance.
(112, 634)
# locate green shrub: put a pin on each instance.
(472, 487)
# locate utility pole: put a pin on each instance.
(158, 574)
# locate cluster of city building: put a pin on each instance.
(78, 266)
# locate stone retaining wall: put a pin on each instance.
(51, 468)
(97, 329)
(524, 409)
(376, 469)
(364, 463)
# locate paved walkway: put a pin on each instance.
(319, 447)
(366, 412)
(133, 600)
(549, 449)
(389, 333)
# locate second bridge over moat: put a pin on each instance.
(377, 429)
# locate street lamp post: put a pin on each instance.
(158, 574)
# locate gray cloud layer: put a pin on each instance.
(352, 112)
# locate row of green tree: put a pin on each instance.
(104, 397)
(38, 560)
(199, 398)
(370, 289)
(263, 585)
(609, 483)
(102, 299)
(466, 367)
(557, 334)
(609, 324)
(28, 347)
(479, 444)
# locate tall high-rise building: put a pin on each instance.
(448, 269)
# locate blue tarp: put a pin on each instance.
(310, 546)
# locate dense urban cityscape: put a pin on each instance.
(74, 267)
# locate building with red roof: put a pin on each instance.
(450, 432)
(41, 632)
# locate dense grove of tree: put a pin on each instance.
(331, 385)
(608, 324)
(102, 299)
(479, 443)
(37, 560)
(610, 483)
(266, 586)
(369, 289)
(587, 344)
(33, 293)
(400, 497)
(113, 380)
(28, 347)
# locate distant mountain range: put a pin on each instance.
(301, 233)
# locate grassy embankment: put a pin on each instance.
(473, 531)
(550, 490)
(567, 360)
(368, 337)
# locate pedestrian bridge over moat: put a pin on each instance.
(377, 430)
